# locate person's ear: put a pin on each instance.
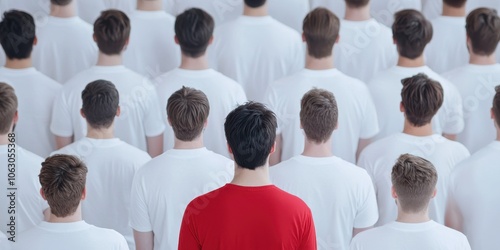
(169, 121)
(273, 148)
(15, 118)
(394, 40)
(303, 37)
(94, 37)
(338, 39)
(84, 193)
(434, 193)
(211, 40)
(118, 111)
(42, 194)
(401, 107)
(205, 124)
(35, 41)
(393, 193)
(176, 39)
(82, 114)
(492, 114)
(125, 46)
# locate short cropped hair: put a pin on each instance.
(421, 98)
(496, 105)
(8, 107)
(63, 180)
(321, 30)
(100, 101)
(112, 31)
(255, 3)
(251, 132)
(483, 30)
(318, 115)
(194, 28)
(187, 111)
(412, 33)
(61, 2)
(356, 3)
(455, 3)
(17, 34)
(414, 180)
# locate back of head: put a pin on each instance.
(414, 180)
(321, 30)
(254, 3)
(412, 33)
(63, 180)
(100, 100)
(251, 132)
(112, 31)
(187, 111)
(8, 107)
(356, 3)
(318, 115)
(496, 105)
(60, 2)
(17, 34)
(194, 28)
(483, 29)
(455, 3)
(421, 98)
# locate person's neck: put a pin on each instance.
(411, 63)
(102, 133)
(191, 63)
(357, 14)
(149, 5)
(419, 217)
(75, 217)
(314, 149)
(194, 144)
(482, 60)
(19, 63)
(251, 178)
(410, 129)
(313, 63)
(109, 60)
(4, 139)
(64, 11)
(453, 11)
(259, 11)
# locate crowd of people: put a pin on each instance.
(249, 124)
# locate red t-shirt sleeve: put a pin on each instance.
(188, 239)
(309, 235)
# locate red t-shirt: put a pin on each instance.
(254, 218)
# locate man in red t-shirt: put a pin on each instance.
(250, 212)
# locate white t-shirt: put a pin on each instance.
(255, 51)
(223, 94)
(340, 195)
(89, 10)
(476, 84)
(336, 6)
(29, 205)
(357, 115)
(290, 13)
(38, 9)
(410, 236)
(2, 57)
(384, 10)
(221, 11)
(433, 9)
(447, 49)
(164, 186)
(386, 92)
(152, 49)
(379, 157)
(75, 236)
(65, 47)
(111, 165)
(364, 49)
(35, 94)
(4, 242)
(472, 193)
(140, 110)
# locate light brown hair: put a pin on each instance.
(321, 30)
(318, 115)
(187, 111)
(421, 98)
(483, 30)
(112, 31)
(63, 180)
(412, 33)
(414, 180)
(8, 107)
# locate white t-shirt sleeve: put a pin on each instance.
(122, 243)
(139, 216)
(153, 122)
(369, 125)
(367, 214)
(61, 123)
(454, 122)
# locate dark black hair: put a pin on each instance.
(17, 34)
